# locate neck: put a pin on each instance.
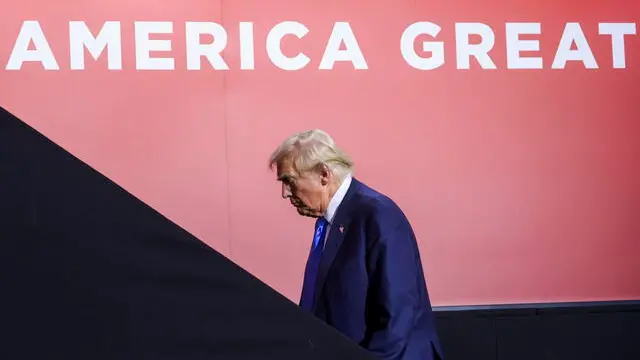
(331, 191)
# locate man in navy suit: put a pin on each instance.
(364, 276)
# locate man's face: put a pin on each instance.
(306, 191)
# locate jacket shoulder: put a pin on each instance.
(373, 205)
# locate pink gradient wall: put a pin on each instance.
(522, 184)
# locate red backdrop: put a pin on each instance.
(522, 184)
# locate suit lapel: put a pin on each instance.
(339, 227)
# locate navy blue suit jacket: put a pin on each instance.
(370, 284)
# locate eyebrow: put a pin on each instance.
(284, 177)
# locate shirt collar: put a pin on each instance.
(337, 199)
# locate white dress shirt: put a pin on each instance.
(335, 202)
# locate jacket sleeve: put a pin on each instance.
(394, 291)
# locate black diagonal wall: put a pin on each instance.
(90, 272)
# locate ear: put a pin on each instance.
(325, 174)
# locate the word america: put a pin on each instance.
(341, 46)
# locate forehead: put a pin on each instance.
(285, 168)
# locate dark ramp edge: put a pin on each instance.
(87, 271)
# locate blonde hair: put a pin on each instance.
(311, 148)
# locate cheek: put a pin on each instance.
(301, 195)
(304, 193)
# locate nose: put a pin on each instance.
(286, 191)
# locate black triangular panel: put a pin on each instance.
(87, 271)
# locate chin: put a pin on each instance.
(306, 212)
